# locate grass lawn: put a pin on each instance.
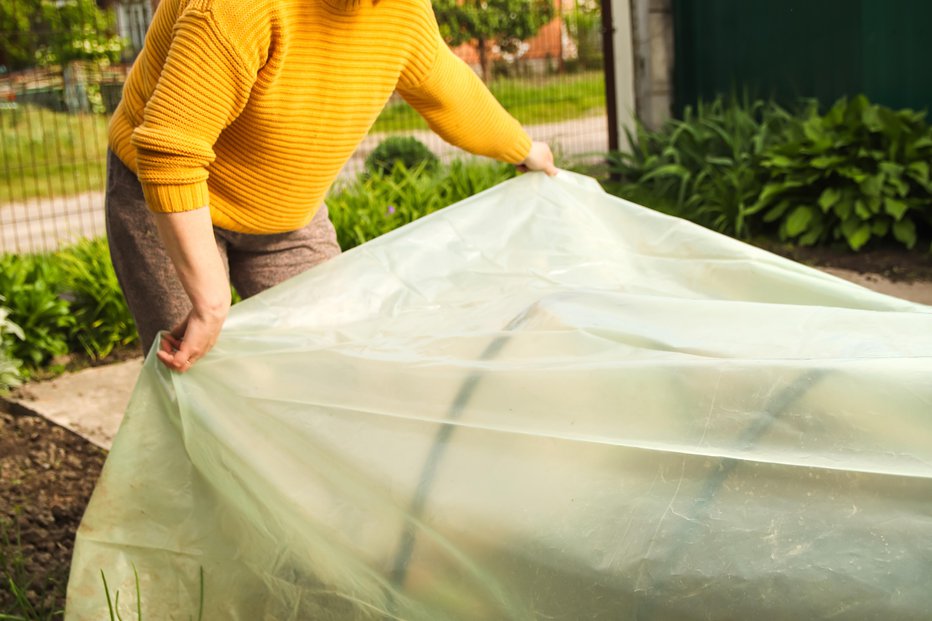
(47, 153)
(530, 100)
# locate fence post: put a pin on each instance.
(619, 70)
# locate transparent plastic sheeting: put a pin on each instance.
(543, 402)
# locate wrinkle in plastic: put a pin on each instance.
(543, 402)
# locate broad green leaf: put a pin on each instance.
(905, 232)
(896, 185)
(774, 189)
(829, 197)
(849, 226)
(895, 207)
(871, 118)
(860, 236)
(798, 220)
(667, 170)
(872, 186)
(891, 169)
(843, 209)
(854, 173)
(778, 161)
(860, 208)
(775, 213)
(880, 228)
(720, 161)
(919, 171)
(827, 161)
(812, 235)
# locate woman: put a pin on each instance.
(235, 120)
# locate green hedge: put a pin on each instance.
(857, 173)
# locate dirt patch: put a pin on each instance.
(892, 262)
(46, 477)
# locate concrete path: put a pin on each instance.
(91, 402)
(46, 224)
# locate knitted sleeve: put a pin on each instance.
(458, 106)
(203, 86)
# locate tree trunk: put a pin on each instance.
(485, 61)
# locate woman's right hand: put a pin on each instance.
(189, 240)
(193, 337)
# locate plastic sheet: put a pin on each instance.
(541, 403)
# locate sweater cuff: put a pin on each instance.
(176, 198)
(519, 152)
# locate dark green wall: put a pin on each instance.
(788, 49)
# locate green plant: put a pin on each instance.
(102, 318)
(21, 599)
(407, 150)
(31, 286)
(375, 204)
(860, 172)
(9, 365)
(705, 167)
(113, 603)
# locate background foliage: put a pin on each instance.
(47, 32)
(503, 22)
(406, 150)
(64, 302)
(858, 172)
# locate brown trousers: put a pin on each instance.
(153, 292)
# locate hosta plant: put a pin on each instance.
(860, 172)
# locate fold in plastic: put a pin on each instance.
(543, 402)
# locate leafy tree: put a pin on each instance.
(77, 30)
(17, 25)
(505, 22)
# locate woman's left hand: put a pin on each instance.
(539, 158)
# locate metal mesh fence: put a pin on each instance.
(63, 63)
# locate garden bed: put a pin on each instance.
(891, 262)
(46, 477)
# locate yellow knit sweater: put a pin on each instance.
(253, 107)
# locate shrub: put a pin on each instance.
(102, 318)
(859, 172)
(65, 302)
(705, 167)
(377, 203)
(31, 286)
(856, 173)
(406, 150)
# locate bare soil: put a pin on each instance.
(891, 262)
(46, 477)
